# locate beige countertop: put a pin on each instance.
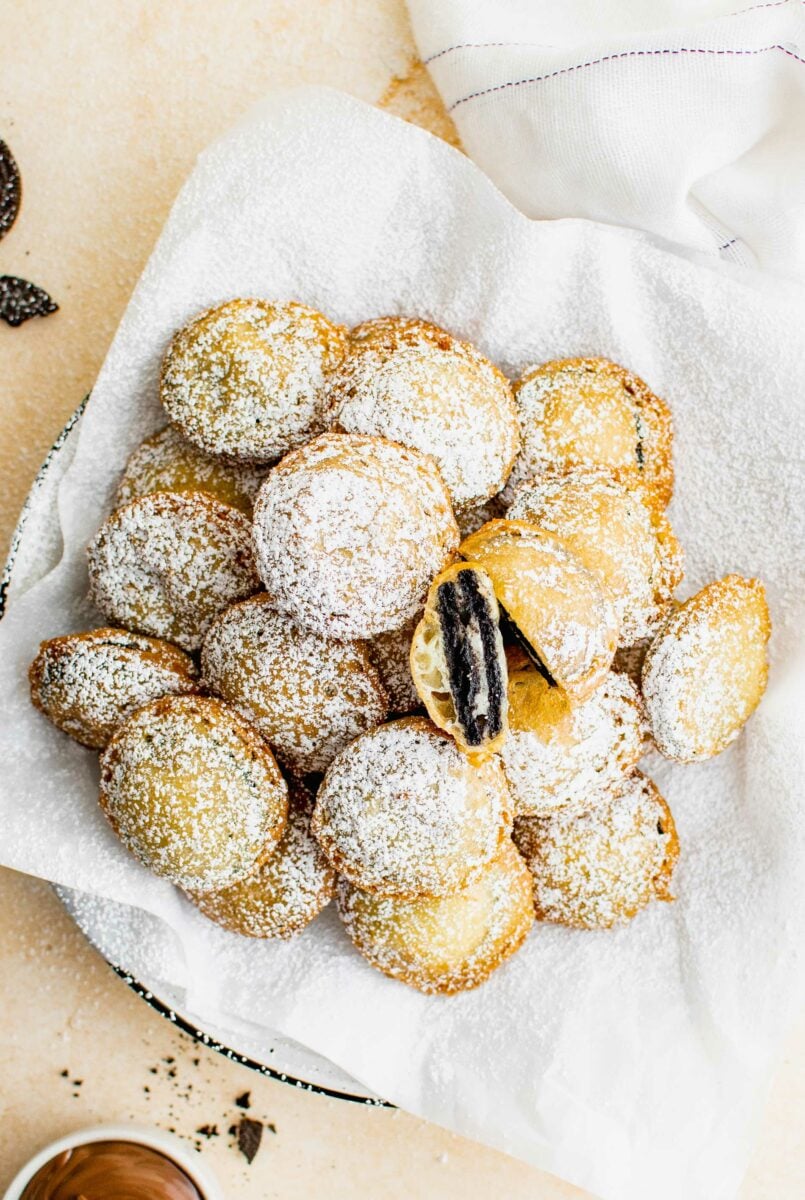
(105, 104)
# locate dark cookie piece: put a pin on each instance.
(10, 189)
(21, 300)
(458, 661)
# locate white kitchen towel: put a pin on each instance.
(683, 118)
(631, 1062)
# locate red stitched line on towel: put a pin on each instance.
(594, 62)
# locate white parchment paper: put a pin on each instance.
(630, 1062)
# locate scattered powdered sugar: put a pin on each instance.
(308, 695)
(558, 606)
(246, 379)
(706, 671)
(447, 944)
(349, 531)
(167, 462)
(284, 893)
(168, 563)
(88, 683)
(592, 411)
(402, 812)
(193, 791)
(599, 868)
(607, 527)
(565, 766)
(414, 383)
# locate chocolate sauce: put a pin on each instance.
(111, 1171)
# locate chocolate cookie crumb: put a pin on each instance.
(10, 189)
(21, 300)
(244, 1101)
(250, 1134)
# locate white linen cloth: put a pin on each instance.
(683, 118)
(631, 1062)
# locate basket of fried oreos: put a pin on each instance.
(386, 628)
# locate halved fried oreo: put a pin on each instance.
(458, 661)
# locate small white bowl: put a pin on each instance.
(155, 1139)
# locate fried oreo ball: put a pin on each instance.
(600, 868)
(451, 943)
(705, 672)
(89, 683)
(246, 380)
(193, 791)
(402, 812)
(308, 695)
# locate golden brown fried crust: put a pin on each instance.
(208, 712)
(706, 671)
(113, 673)
(423, 866)
(255, 410)
(601, 868)
(653, 462)
(431, 674)
(558, 583)
(509, 917)
(288, 888)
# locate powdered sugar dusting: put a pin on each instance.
(89, 683)
(448, 944)
(167, 462)
(308, 695)
(607, 527)
(246, 379)
(193, 792)
(576, 411)
(599, 868)
(284, 893)
(168, 563)
(402, 812)
(349, 531)
(706, 671)
(391, 654)
(413, 383)
(565, 767)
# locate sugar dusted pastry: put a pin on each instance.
(451, 943)
(349, 531)
(561, 611)
(401, 811)
(89, 683)
(414, 383)
(167, 563)
(705, 672)
(391, 654)
(589, 411)
(246, 380)
(558, 757)
(307, 694)
(167, 462)
(284, 893)
(193, 791)
(458, 662)
(609, 529)
(600, 868)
